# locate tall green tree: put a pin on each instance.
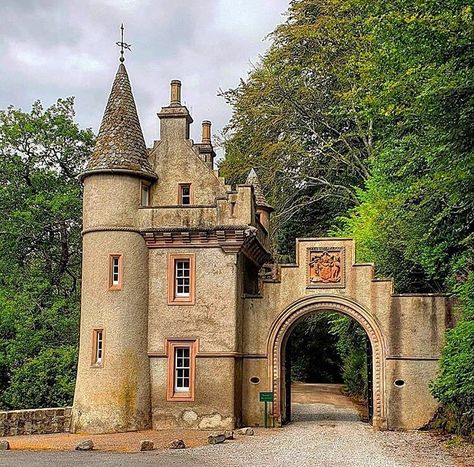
(292, 123)
(416, 213)
(41, 154)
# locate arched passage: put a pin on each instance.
(283, 325)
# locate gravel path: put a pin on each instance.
(321, 435)
(324, 436)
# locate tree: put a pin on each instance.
(292, 123)
(416, 213)
(313, 351)
(41, 154)
(367, 107)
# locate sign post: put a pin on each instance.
(266, 397)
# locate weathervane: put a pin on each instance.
(123, 45)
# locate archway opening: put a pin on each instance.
(326, 360)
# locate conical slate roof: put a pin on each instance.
(120, 146)
(252, 179)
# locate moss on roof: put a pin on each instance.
(120, 145)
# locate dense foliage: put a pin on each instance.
(292, 124)
(359, 121)
(352, 346)
(41, 154)
(328, 348)
(313, 353)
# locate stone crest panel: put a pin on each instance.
(325, 267)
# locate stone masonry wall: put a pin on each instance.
(35, 421)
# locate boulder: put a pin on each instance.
(247, 431)
(177, 444)
(229, 434)
(216, 439)
(4, 445)
(146, 445)
(85, 445)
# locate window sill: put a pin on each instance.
(182, 302)
(186, 397)
(250, 295)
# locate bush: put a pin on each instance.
(46, 380)
(352, 347)
(454, 387)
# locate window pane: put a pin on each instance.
(145, 195)
(182, 369)
(98, 346)
(115, 270)
(182, 277)
(185, 194)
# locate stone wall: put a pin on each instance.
(35, 421)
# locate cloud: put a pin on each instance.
(54, 48)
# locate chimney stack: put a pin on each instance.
(206, 132)
(175, 92)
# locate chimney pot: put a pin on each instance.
(175, 92)
(206, 132)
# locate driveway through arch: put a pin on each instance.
(281, 329)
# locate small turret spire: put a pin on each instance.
(252, 179)
(120, 146)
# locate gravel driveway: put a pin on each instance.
(321, 435)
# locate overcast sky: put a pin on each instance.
(60, 48)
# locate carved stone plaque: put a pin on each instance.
(325, 267)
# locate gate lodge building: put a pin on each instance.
(177, 328)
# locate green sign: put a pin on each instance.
(266, 397)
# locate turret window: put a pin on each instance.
(181, 279)
(184, 194)
(98, 347)
(145, 194)
(115, 271)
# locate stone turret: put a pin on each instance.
(263, 209)
(113, 382)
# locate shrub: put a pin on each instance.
(46, 380)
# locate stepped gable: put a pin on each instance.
(120, 146)
(252, 179)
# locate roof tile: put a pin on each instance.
(120, 145)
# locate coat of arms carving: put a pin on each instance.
(326, 267)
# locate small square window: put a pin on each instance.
(184, 194)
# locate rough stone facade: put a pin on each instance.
(35, 421)
(233, 321)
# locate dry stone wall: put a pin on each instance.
(35, 421)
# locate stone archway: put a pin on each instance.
(284, 323)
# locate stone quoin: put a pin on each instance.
(183, 321)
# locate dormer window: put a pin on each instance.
(145, 194)
(184, 198)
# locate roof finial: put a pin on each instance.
(123, 45)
